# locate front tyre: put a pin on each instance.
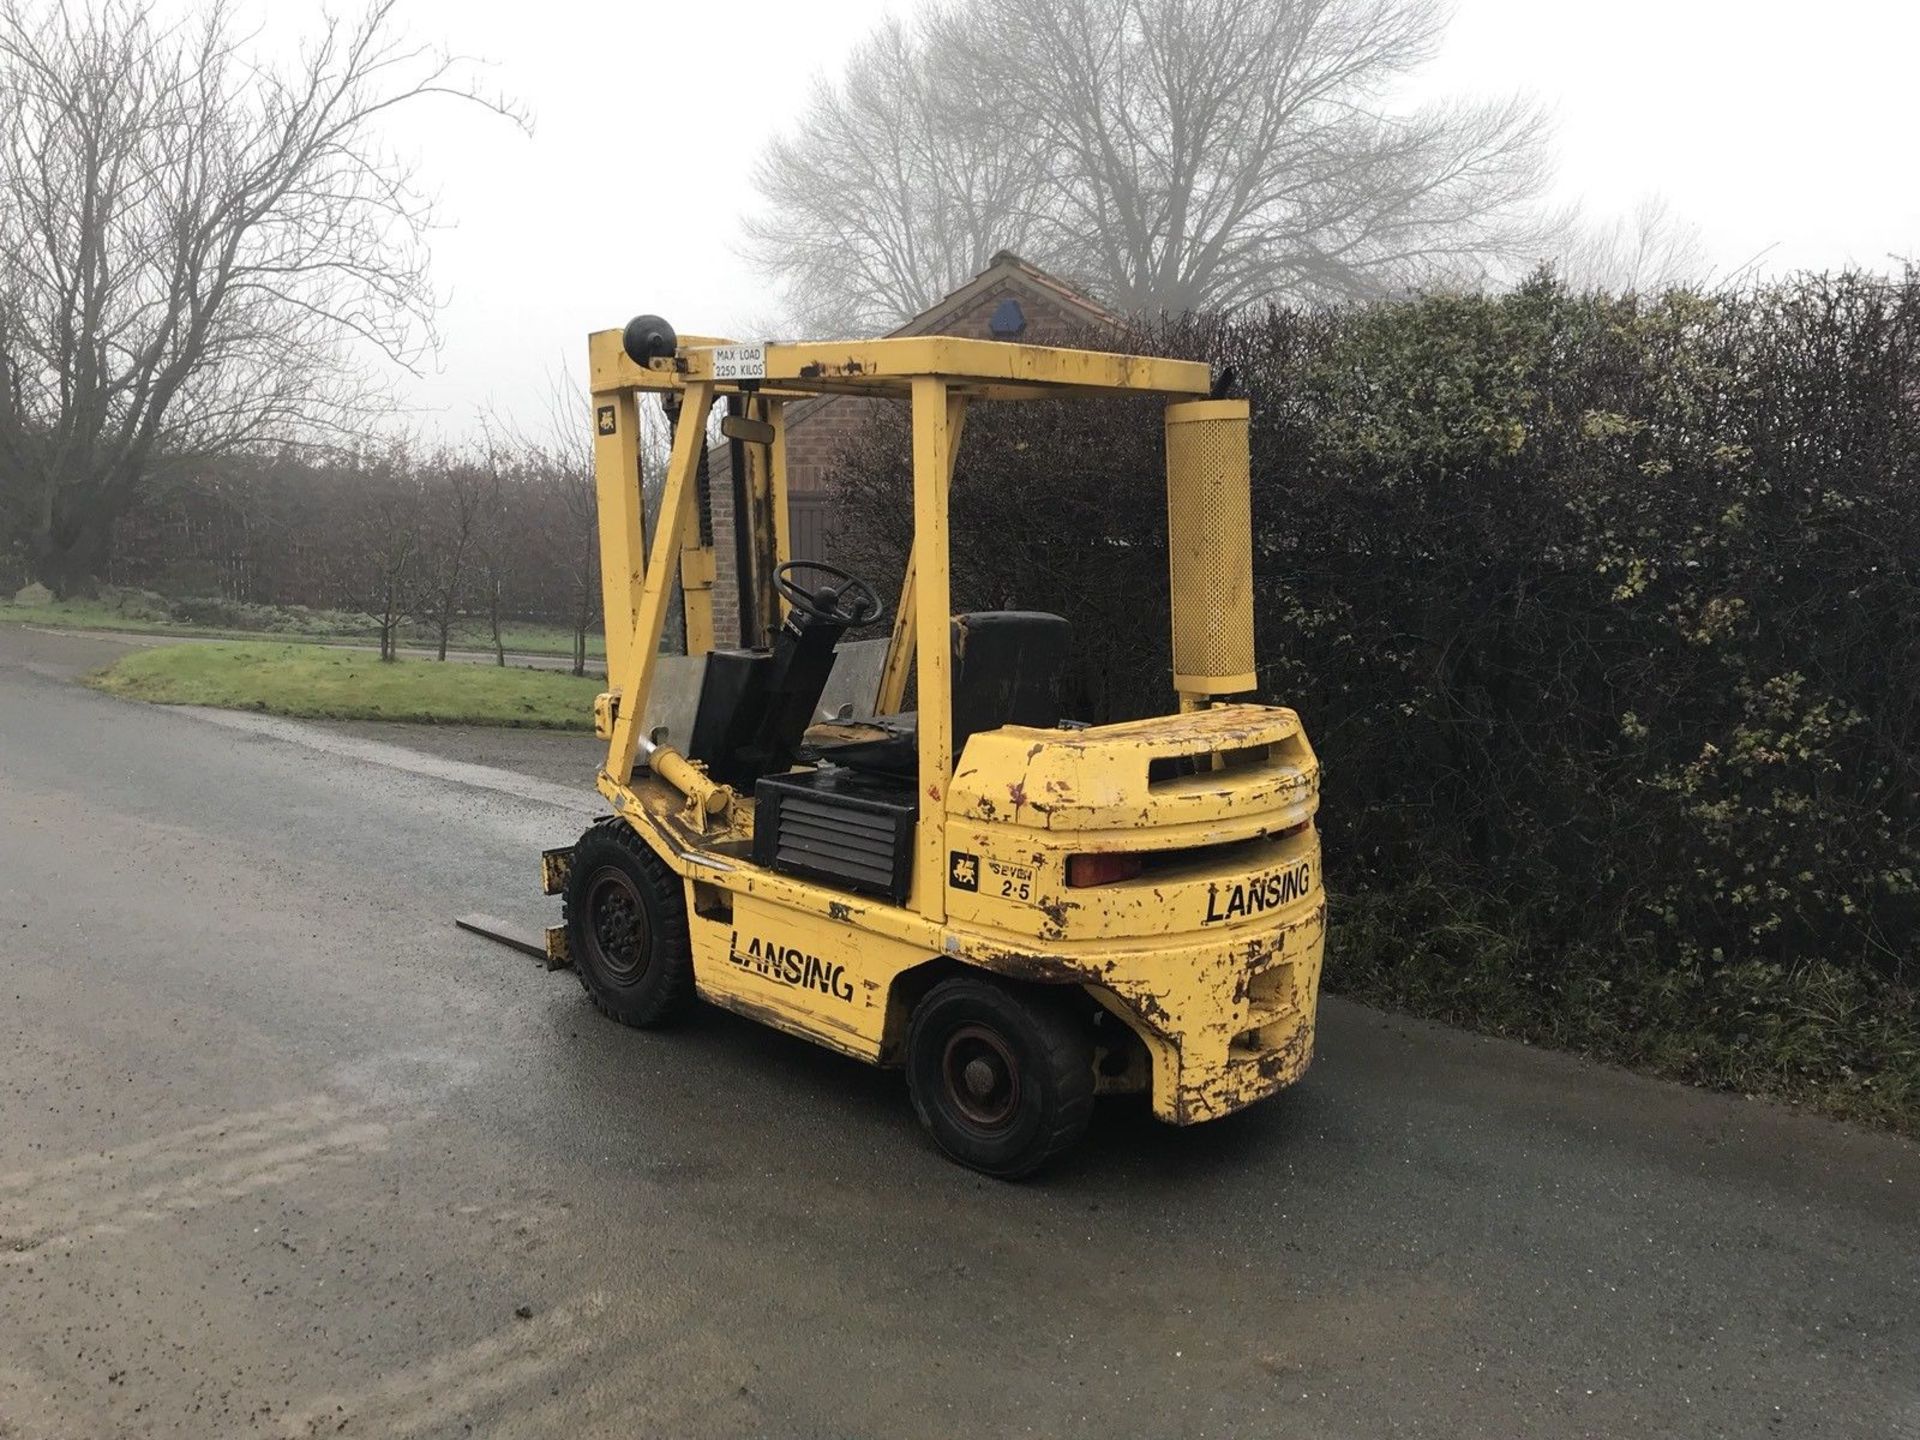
(1001, 1081)
(626, 919)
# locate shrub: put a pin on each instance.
(135, 604)
(1604, 614)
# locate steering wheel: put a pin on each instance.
(850, 603)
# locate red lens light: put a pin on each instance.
(1085, 870)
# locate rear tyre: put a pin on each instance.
(626, 919)
(1001, 1081)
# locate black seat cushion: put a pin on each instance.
(1007, 667)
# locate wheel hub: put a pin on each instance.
(617, 923)
(982, 1077)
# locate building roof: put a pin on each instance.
(1005, 267)
(1007, 276)
(1005, 271)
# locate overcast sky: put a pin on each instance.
(1787, 132)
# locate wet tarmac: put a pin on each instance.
(284, 1153)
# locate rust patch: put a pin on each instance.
(1246, 1080)
(556, 866)
(1270, 946)
(1046, 969)
(1017, 793)
(1289, 1061)
(825, 1030)
(1150, 1010)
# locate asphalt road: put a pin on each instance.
(283, 1153)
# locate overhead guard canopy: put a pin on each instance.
(981, 369)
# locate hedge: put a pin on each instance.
(1604, 617)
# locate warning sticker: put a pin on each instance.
(740, 362)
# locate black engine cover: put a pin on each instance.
(837, 826)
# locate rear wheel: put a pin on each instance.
(626, 919)
(1003, 1082)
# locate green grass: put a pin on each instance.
(83, 615)
(318, 627)
(314, 682)
(531, 639)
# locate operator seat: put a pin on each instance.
(1007, 670)
(755, 704)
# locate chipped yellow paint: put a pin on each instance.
(992, 369)
(1100, 779)
(933, 436)
(782, 510)
(1210, 546)
(900, 645)
(1225, 1008)
(1211, 955)
(698, 567)
(632, 680)
(617, 490)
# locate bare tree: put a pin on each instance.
(1646, 252)
(381, 571)
(898, 186)
(495, 542)
(575, 543)
(457, 497)
(195, 248)
(1168, 154)
(553, 460)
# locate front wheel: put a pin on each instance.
(1002, 1082)
(626, 919)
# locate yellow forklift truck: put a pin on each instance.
(1021, 910)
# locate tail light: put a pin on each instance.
(1105, 869)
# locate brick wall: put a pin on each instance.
(1050, 318)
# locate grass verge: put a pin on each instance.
(1834, 1038)
(92, 615)
(282, 623)
(313, 682)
